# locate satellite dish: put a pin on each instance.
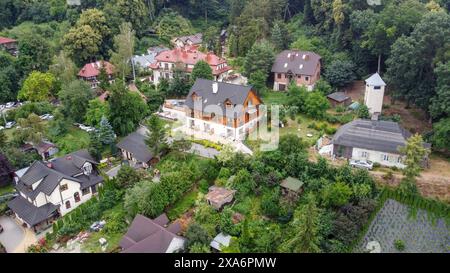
(373, 247)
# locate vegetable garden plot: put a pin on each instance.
(419, 234)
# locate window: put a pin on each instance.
(87, 168)
(76, 196)
(385, 157)
(279, 75)
(299, 76)
(364, 154)
(68, 206)
(377, 87)
(399, 159)
(63, 187)
(85, 191)
(306, 78)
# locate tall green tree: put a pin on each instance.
(123, 50)
(127, 109)
(201, 70)
(63, 68)
(415, 153)
(441, 133)
(304, 235)
(106, 132)
(38, 86)
(75, 99)
(96, 111)
(134, 12)
(260, 57)
(156, 136)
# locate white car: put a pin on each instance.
(368, 165)
(10, 124)
(86, 128)
(46, 117)
(10, 105)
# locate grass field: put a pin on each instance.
(183, 205)
(272, 97)
(74, 140)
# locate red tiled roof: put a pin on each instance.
(188, 55)
(5, 40)
(93, 69)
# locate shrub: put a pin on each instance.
(399, 245)
(340, 109)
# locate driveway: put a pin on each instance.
(12, 235)
(113, 172)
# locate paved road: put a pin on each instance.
(12, 235)
(113, 172)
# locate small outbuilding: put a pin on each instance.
(291, 187)
(218, 197)
(339, 99)
(220, 241)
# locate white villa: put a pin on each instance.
(51, 189)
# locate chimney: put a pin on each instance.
(49, 164)
(69, 157)
(215, 87)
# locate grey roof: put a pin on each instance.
(51, 173)
(29, 213)
(375, 79)
(134, 143)
(195, 38)
(293, 61)
(376, 135)
(338, 96)
(146, 236)
(145, 60)
(237, 94)
(292, 184)
(221, 240)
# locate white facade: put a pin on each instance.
(383, 158)
(374, 94)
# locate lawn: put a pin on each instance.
(74, 140)
(91, 245)
(272, 97)
(182, 205)
(7, 189)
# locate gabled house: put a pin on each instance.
(185, 58)
(135, 150)
(221, 110)
(9, 45)
(339, 99)
(152, 236)
(91, 71)
(51, 189)
(217, 197)
(301, 67)
(196, 40)
(372, 140)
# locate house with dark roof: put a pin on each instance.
(221, 110)
(135, 150)
(301, 67)
(185, 58)
(372, 140)
(217, 197)
(91, 71)
(152, 236)
(339, 99)
(9, 45)
(189, 40)
(51, 189)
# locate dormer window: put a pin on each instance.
(87, 168)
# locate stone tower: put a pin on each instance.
(373, 97)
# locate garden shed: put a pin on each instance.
(291, 187)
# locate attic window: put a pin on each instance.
(289, 55)
(301, 66)
(285, 65)
(63, 187)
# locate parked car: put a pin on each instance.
(368, 165)
(10, 124)
(46, 117)
(10, 105)
(86, 128)
(97, 226)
